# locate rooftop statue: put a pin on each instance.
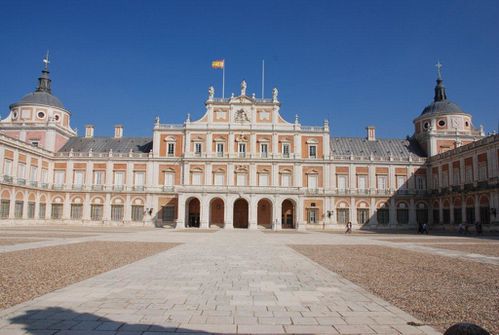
(275, 93)
(211, 92)
(243, 87)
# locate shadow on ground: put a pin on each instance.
(62, 321)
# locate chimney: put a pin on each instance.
(371, 133)
(89, 130)
(118, 131)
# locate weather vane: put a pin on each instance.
(439, 69)
(46, 60)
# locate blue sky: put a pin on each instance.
(352, 62)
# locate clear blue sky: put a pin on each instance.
(353, 62)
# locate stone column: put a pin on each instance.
(477, 208)
(393, 213)
(229, 212)
(277, 213)
(300, 225)
(412, 212)
(127, 215)
(253, 213)
(204, 220)
(373, 220)
(180, 224)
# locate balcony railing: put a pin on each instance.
(8, 179)
(21, 181)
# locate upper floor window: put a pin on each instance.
(286, 179)
(420, 183)
(482, 171)
(119, 178)
(33, 173)
(342, 182)
(312, 151)
(198, 148)
(44, 176)
(362, 182)
(468, 174)
(7, 167)
(35, 143)
(79, 177)
(312, 181)
(140, 178)
(169, 178)
(285, 150)
(241, 179)
(401, 185)
(99, 177)
(455, 176)
(435, 181)
(196, 178)
(21, 170)
(382, 182)
(263, 179)
(171, 149)
(445, 178)
(219, 178)
(242, 149)
(220, 149)
(59, 177)
(264, 149)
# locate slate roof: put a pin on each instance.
(358, 146)
(442, 107)
(39, 98)
(104, 144)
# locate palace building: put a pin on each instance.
(242, 165)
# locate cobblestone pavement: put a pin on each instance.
(225, 282)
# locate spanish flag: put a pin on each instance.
(217, 64)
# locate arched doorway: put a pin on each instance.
(264, 213)
(193, 212)
(484, 210)
(217, 212)
(288, 214)
(240, 213)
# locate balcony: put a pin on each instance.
(58, 186)
(44, 185)
(264, 154)
(138, 188)
(118, 188)
(7, 179)
(78, 187)
(97, 187)
(33, 183)
(168, 189)
(21, 181)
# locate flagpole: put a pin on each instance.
(223, 80)
(263, 76)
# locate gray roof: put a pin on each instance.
(442, 107)
(40, 98)
(104, 144)
(358, 146)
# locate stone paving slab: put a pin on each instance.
(225, 282)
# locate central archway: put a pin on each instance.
(217, 212)
(288, 214)
(241, 213)
(193, 212)
(264, 213)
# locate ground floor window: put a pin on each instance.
(470, 215)
(137, 213)
(56, 211)
(4, 209)
(436, 216)
(383, 215)
(76, 211)
(117, 212)
(485, 215)
(403, 216)
(362, 215)
(31, 210)
(458, 215)
(96, 212)
(18, 209)
(42, 209)
(168, 213)
(312, 216)
(446, 215)
(421, 216)
(342, 215)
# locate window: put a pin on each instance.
(31, 210)
(7, 168)
(401, 185)
(342, 182)
(312, 181)
(264, 150)
(383, 215)
(242, 149)
(44, 177)
(33, 173)
(196, 178)
(312, 151)
(137, 213)
(285, 150)
(458, 215)
(79, 178)
(241, 179)
(382, 182)
(119, 178)
(76, 211)
(140, 178)
(263, 179)
(402, 214)
(482, 171)
(42, 209)
(219, 178)
(342, 215)
(362, 182)
(4, 209)
(312, 215)
(362, 215)
(285, 179)
(18, 209)
(421, 215)
(35, 143)
(168, 213)
(171, 149)
(220, 149)
(21, 171)
(56, 211)
(169, 178)
(59, 176)
(198, 149)
(99, 177)
(420, 183)
(468, 174)
(455, 176)
(117, 212)
(96, 212)
(445, 178)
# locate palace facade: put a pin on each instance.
(242, 165)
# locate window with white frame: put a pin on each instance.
(119, 178)
(445, 178)
(286, 179)
(76, 211)
(264, 149)
(56, 211)
(468, 174)
(342, 182)
(33, 173)
(18, 209)
(362, 182)
(79, 176)
(137, 213)
(312, 151)
(401, 183)
(7, 167)
(31, 210)
(4, 209)
(435, 180)
(482, 171)
(96, 212)
(196, 178)
(219, 178)
(263, 179)
(117, 212)
(312, 181)
(140, 178)
(168, 213)
(171, 149)
(382, 182)
(99, 177)
(198, 148)
(42, 209)
(312, 215)
(169, 178)
(59, 177)
(241, 179)
(285, 150)
(21, 170)
(242, 149)
(220, 149)
(420, 182)
(44, 176)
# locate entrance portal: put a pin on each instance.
(288, 214)
(217, 212)
(193, 212)
(264, 217)
(240, 213)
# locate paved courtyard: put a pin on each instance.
(216, 282)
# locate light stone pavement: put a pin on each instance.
(225, 282)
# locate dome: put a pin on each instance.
(442, 107)
(40, 98)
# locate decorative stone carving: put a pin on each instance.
(241, 116)
(275, 93)
(211, 92)
(243, 87)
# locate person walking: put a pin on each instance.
(349, 228)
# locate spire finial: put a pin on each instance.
(46, 61)
(439, 70)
